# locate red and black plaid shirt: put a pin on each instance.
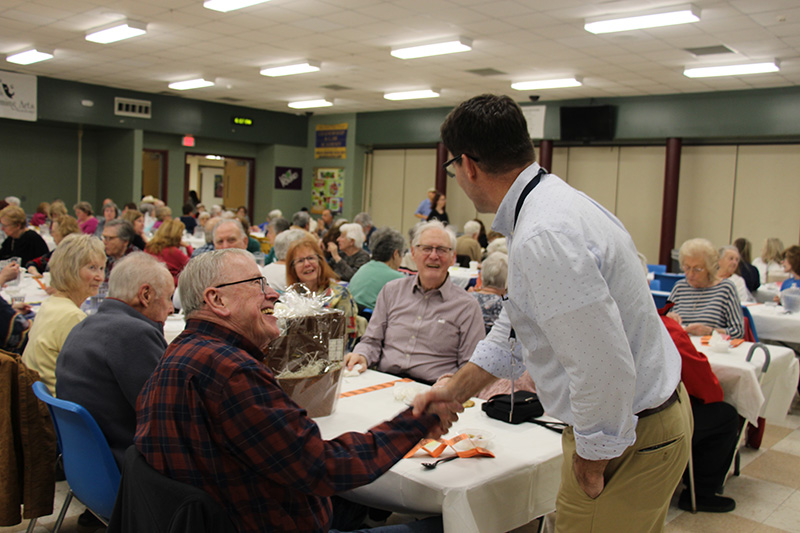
(212, 415)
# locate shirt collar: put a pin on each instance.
(227, 336)
(504, 219)
(443, 290)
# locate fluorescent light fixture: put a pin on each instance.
(288, 70)
(547, 84)
(649, 19)
(230, 5)
(29, 56)
(460, 44)
(308, 104)
(731, 70)
(199, 83)
(117, 32)
(412, 95)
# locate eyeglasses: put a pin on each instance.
(696, 270)
(261, 279)
(309, 259)
(428, 249)
(450, 173)
(107, 238)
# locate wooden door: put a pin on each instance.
(151, 173)
(235, 183)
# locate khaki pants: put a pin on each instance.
(638, 484)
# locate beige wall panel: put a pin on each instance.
(386, 205)
(767, 194)
(420, 175)
(593, 170)
(639, 196)
(459, 207)
(705, 194)
(560, 162)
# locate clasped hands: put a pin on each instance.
(439, 400)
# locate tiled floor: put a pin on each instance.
(767, 493)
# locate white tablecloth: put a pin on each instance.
(34, 294)
(774, 323)
(739, 380)
(473, 495)
(461, 276)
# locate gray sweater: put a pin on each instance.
(103, 365)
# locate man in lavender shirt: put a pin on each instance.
(423, 326)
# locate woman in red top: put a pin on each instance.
(166, 246)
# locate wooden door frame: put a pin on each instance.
(251, 178)
(164, 171)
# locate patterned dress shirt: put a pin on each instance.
(212, 415)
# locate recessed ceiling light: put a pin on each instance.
(547, 84)
(646, 19)
(460, 44)
(117, 32)
(412, 95)
(288, 70)
(308, 104)
(198, 83)
(731, 70)
(230, 5)
(29, 56)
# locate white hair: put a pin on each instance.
(497, 245)
(275, 213)
(200, 273)
(494, 270)
(13, 200)
(236, 223)
(134, 271)
(353, 231)
(472, 227)
(286, 238)
(433, 224)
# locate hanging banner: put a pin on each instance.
(18, 96)
(327, 190)
(331, 142)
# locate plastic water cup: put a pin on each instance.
(473, 265)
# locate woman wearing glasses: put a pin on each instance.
(704, 302)
(305, 264)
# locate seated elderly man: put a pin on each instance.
(208, 232)
(387, 253)
(213, 415)
(467, 245)
(275, 272)
(118, 235)
(108, 356)
(423, 326)
(229, 233)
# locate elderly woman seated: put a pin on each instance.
(703, 301)
(60, 228)
(348, 256)
(769, 262)
(20, 241)
(494, 272)
(166, 246)
(77, 269)
(305, 264)
(729, 260)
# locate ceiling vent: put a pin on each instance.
(336, 87)
(128, 107)
(486, 72)
(709, 50)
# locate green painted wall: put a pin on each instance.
(119, 164)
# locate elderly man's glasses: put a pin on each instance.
(449, 162)
(309, 259)
(261, 279)
(428, 249)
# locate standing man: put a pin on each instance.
(590, 336)
(425, 205)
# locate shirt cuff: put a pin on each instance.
(497, 360)
(599, 446)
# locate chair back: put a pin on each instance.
(660, 297)
(655, 285)
(750, 334)
(657, 268)
(667, 279)
(89, 466)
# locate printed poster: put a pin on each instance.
(327, 190)
(18, 96)
(289, 178)
(331, 141)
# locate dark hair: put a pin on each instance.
(792, 256)
(125, 229)
(491, 130)
(743, 245)
(131, 206)
(385, 242)
(187, 209)
(435, 201)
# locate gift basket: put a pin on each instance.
(307, 357)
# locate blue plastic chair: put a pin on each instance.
(657, 268)
(655, 285)
(752, 325)
(660, 297)
(89, 466)
(667, 279)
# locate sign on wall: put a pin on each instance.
(331, 141)
(18, 96)
(289, 178)
(327, 190)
